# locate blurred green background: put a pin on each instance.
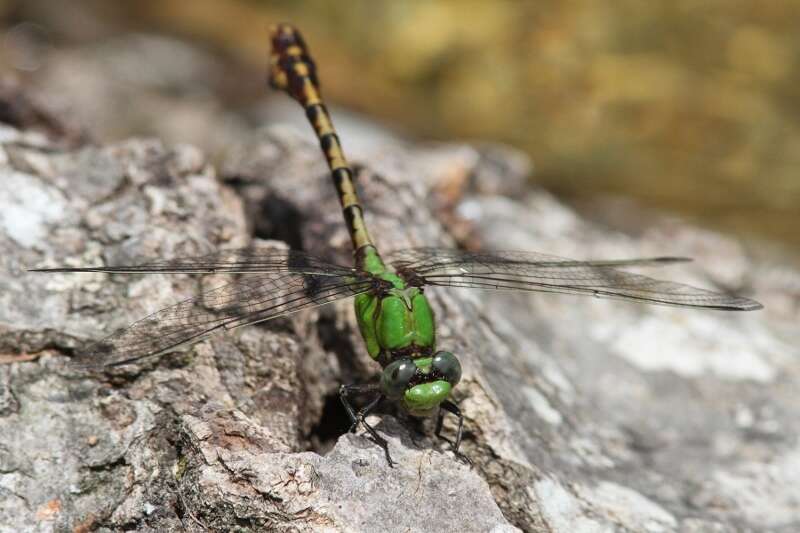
(688, 106)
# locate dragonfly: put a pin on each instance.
(393, 313)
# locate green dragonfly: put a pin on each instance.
(394, 316)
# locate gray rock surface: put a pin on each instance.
(582, 415)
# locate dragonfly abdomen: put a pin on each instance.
(292, 70)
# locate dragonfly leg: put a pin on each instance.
(356, 417)
(449, 407)
(346, 391)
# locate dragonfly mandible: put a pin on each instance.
(392, 310)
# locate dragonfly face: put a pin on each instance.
(420, 385)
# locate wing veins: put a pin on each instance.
(177, 321)
(677, 299)
(243, 260)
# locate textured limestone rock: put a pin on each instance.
(582, 415)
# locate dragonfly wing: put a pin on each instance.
(421, 259)
(237, 261)
(248, 300)
(531, 271)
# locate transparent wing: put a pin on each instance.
(241, 261)
(248, 300)
(422, 259)
(532, 271)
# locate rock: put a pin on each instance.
(352, 488)
(581, 414)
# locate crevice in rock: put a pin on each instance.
(278, 219)
(333, 422)
(334, 339)
(269, 216)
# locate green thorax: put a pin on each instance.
(398, 319)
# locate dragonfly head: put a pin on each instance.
(420, 385)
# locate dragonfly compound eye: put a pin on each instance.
(446, 364)
(396, 376)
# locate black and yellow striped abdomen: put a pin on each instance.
(293, 71)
